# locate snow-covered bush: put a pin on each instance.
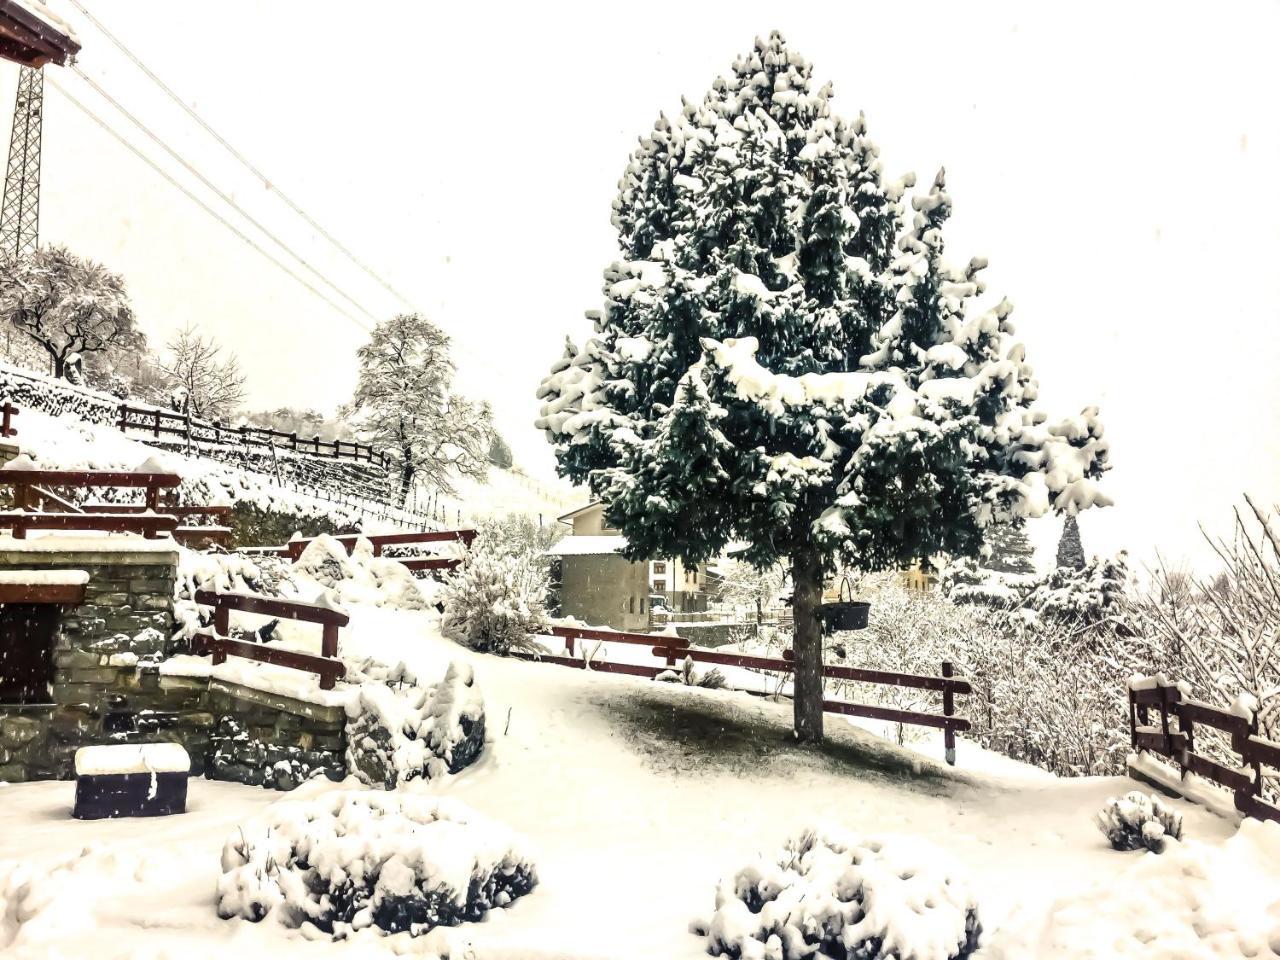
(1139, 820)
(711, 679)
(347, 860)
(838, 895)
(496, 601)
(406, 730)
(1222, 633)
(360, 577)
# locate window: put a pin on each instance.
(659, 566)
(660, 586)
(631, 604)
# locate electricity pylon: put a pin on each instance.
(20, 212)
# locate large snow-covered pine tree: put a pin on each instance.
(783, 360)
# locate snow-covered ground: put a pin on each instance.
(634, 799)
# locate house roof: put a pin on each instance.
(588, 546)
(581, 510)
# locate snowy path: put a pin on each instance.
(635, 798)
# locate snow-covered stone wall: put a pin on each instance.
(95, 649)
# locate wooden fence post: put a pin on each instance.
(329, 640)
(157, 425)
(948, 710)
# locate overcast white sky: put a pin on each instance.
(1116, 162)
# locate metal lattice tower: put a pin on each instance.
(20, 213)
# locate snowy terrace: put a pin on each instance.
(635, 798)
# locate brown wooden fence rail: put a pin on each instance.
(380, 541)
(33, 486)
(216, 642)
(1179, 744)
(7, 412)
(672, 649)
(163, 423)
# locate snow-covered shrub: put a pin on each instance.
(353, 859)
(406, 730)
(360, 577)
(496, 601)
(711, 679)
(1138, 820)
(840, 896)
(1222, 632)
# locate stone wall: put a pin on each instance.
(125, 617)
(107, 686)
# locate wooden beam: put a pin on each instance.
(272, 607)
(62, 593)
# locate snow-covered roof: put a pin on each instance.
(588, 546)
(566, 518)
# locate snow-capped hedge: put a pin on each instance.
(1139, 820)
(55, 397)
(360, 577)
(348, 860)
(407, 730)
(838, 895)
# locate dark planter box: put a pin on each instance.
(103, 795)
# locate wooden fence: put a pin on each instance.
(1179, 744)
(160, 423)
(7, 412)
(672, 649)
(216, 641)
(380, 541)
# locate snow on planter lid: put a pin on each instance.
(132, 758)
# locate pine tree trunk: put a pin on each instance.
(806, 574)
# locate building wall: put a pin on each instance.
(606, 591)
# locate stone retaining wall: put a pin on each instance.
(126, 615)
(107, 686)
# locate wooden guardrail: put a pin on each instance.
(160, 423)
(672, 649)
(329, 668)
(31, 486)
(1179, 744)
(7, 412)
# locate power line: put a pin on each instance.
(225, 197)
(267, 181)
(204, 206)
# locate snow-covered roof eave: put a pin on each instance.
(588, 546)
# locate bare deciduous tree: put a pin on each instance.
(404, 402)
(68, 305)
(205, 376)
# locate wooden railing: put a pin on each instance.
(329, 668)
(380, 541)
(165, 423)
(7, 412)
(672, 649)
(30, 487)
(1179, 744)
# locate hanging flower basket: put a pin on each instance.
(844, 614)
